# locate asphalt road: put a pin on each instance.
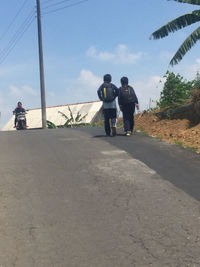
(74, 198)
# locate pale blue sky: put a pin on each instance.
(82, 43)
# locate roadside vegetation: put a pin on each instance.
(176, 91)
(70, 121)
(176, 117)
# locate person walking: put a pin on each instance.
(127, 100)
(107, 93)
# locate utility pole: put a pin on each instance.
(42, 83)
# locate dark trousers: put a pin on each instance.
(109, 114)
(128, 116)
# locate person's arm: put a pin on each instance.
(116, 90)
(99, 92)
(136, 101)
(120, 99)
(15, 111)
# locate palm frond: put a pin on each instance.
(71, 114)
(185, 47)
(51, 125)
(64, 115)
(177, 24)
(68, 123)
(79, 117)
(193, 2)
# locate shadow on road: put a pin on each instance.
(177, 165)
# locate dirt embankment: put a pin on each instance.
(178, 131)
(179, 125)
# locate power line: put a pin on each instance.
(47, 1)
(17, 36)
(58, 3)
(16, 41)
(18, 31)
(13, 20)
(68, 6)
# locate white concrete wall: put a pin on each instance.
(34, 116)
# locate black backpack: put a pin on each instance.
(127, 94)
(108, 92)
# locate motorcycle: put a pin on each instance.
(21, 121)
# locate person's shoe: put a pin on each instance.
(107, 135)
(128, 133)
(114, 131)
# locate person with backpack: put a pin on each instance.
(127, 100)
(107, 93)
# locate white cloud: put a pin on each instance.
(29, 90)
(149, 89)
(125, 57)
(87, 78)
(84, 88)
(188, 71)
(15, 91)
(121, 55)
(104, 56)
(23, 91)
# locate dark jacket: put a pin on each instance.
(18, 110)
(120, 98)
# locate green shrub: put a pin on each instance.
(176, 91)
(197, 82)
(51, 125)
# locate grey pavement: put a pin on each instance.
(72, 197)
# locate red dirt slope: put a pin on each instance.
(173, 131)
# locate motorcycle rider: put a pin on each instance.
(17, 110)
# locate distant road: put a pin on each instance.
(74, 198)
